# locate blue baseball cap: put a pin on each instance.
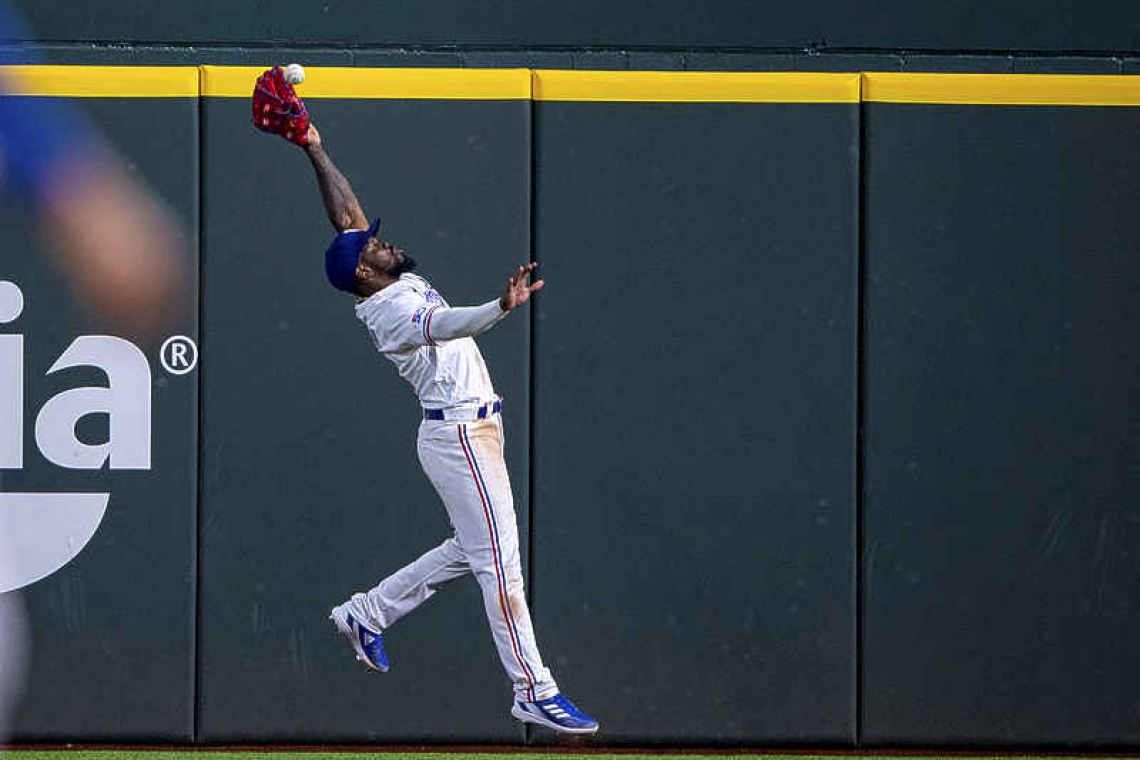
(343, 255)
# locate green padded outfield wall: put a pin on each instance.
(113, 628)
(741, 269)
(1059, 26)
(694, 501)
(1001, 515)
(311, 484)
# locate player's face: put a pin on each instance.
(384, 257)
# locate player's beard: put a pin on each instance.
(406, 264)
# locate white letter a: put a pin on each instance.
(126, 401)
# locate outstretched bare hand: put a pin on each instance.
(518, 291)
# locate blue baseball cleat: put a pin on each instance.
(369, 644)
(558, 713)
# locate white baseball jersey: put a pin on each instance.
(402, 320)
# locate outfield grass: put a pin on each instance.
(81, 754)
(380, 754)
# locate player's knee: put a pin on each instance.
(486, 575)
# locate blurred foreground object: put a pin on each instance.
(118, 244)
(120, 247)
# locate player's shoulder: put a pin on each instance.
(413, 286)
(410, 289)
(414, 283)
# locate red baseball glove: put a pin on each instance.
(277, 109)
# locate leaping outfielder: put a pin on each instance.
(460, 441)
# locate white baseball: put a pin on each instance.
(294, 74)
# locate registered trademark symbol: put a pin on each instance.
(179, 355)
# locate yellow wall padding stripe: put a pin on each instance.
(614, 86)
(1002, 89)
(696, 87)
(101, 81)
(420, 84)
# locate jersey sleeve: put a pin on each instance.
(397, 324)
(450, 323)
(411, 320)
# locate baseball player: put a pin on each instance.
(460, 441)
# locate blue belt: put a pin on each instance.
(481, 413)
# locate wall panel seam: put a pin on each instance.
(532, 318)
(859, 443)
(196, 716)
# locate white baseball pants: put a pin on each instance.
(464, 461)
